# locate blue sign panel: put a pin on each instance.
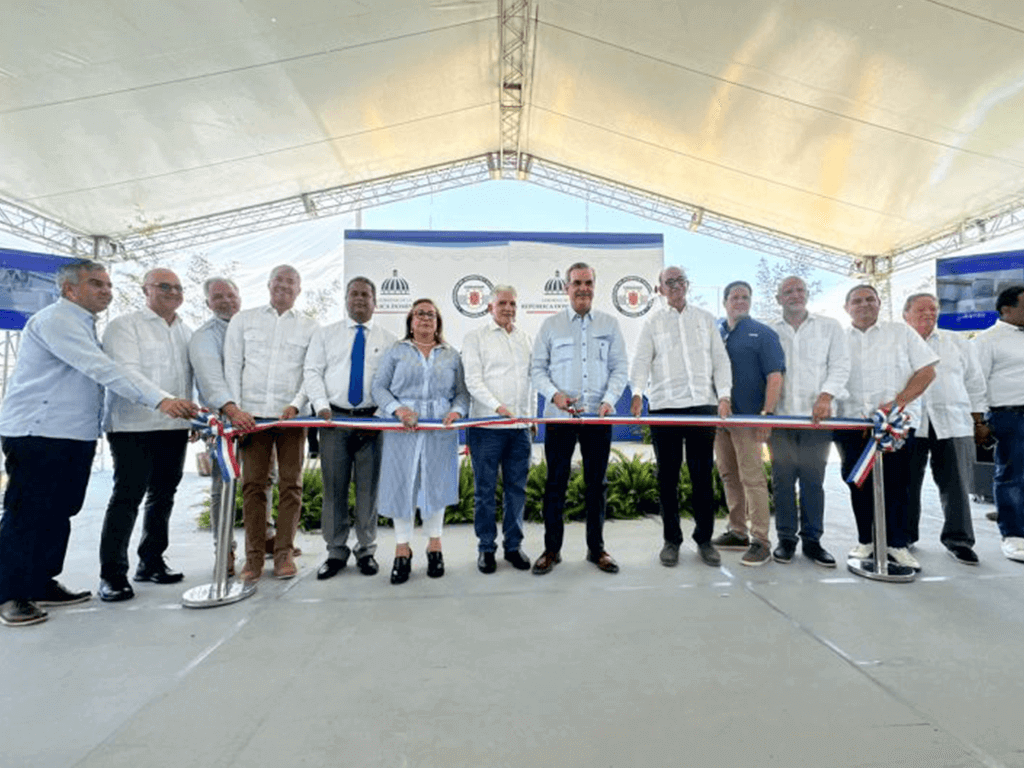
(28, 282)
(967, 287)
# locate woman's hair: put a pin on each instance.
(438, 336)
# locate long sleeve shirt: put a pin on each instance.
(56, 389)
(328, 365)
(497, 369)
(680, 360)
(143, 342)
(264, 355)
(206, 353)
(817, 361)
(1000, 354)
(583, 356)
(432, 386)
(958, 388)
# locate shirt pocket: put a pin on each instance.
(293, 352)
(604, 344)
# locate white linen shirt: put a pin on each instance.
(329, 363)
(264, 354)
(817, 360)
(680, 360)
(144, 343)
(882, 360)
(1000, 355)
(496, 365)
(958, 388)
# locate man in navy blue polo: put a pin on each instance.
(758, 363)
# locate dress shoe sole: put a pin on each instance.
(949, 552)
(782, 559)
(116, 597)
(155, 579)
(24, 622)
(58, 603)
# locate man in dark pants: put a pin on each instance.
(579, 366)
(49, 450)
(148, 448)
(683, 368)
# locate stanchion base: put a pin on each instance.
(866, 567)
(205, 596)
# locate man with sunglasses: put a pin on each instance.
(148, 447)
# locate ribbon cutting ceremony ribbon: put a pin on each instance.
(888, 433)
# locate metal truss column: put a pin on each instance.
(514, 18)
(877, 271)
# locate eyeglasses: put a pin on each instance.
(168, 287)
(424, 314)
(675, 282)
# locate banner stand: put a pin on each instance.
(877, 567)
(222, 590)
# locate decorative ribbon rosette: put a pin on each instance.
(223, 444)
(888, 433)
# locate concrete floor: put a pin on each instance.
(782, 665)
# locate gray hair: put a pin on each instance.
(682, 273)
(208, 284)
(579, 265)
(284, 268)
(502, 288)
(71, 273)
(915, 296)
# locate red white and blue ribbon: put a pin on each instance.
(888, 433)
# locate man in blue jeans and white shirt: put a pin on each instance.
(496, 364)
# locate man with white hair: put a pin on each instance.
(264, 353)
(496, 364)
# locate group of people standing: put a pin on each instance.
(273, 362)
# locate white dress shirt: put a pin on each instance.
(817, 360)
(882, 360)
(1000, 354)
(264, 354)
(496, 365)
(958, 388)
(328, 364)
(680, 360)
(143, 342)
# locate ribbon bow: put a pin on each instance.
(223, 445)
(888, 433)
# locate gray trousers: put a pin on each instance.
(348, 455)
(952, 463)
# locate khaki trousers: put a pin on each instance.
(738, 456)
(256, 451)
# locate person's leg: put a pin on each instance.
(728, 470)
(290, 443)
(485, 448)
(336, 465)
(515, 468)
(1008, 480)
(595, 445)
(216, 499)
(918, 451)
(668, 456)
(255, 449)
(812, 453)
(952, 467)
(168, 449)
(785, 447)
(133, 463)
(366, 446)
(700, 460)
(851, 444)
(750, 460)
(559, 444)
(896, 469)
(71, 461)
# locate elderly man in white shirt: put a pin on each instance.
(147, 446)
(889, 365)
(817, 368)
(264, 353)
(946, 430)
(339, 368)
(1000, 353)
(496, 365)
(683, 368)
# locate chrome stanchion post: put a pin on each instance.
(877, 566)
(221, 591)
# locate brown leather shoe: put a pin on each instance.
(604, 561)
(546, 562)
(284, 565)
(252, 570)
(231, 563)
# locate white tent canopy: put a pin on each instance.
(867, 128)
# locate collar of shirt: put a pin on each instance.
(269, 309)
(573, 315)
(352, 324)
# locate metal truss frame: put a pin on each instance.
(37, 228)
(513, 81)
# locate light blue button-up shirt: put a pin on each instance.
(582, 356)
(206, 353)
(56, 390)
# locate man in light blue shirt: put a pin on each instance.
(580, 367)
(49, 422)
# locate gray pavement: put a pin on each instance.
(781, 665)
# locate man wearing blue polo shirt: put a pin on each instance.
(758, 363)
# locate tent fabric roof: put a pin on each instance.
(861, 126)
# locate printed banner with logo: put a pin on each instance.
(967, 287)
(28, 282)
(457, 270)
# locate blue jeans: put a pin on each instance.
(799, 456)
(489, 448)
(1008, 483)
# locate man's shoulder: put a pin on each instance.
(756, 327)
(604, 318)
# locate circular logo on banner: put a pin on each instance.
(470, 295)
(633, 296)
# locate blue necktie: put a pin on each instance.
(355, 379)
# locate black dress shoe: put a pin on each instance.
(115, 589)
(401, 569)
(56, 594)
(331, 567)
(367, 565)
(485, 562)
(819, 554)
(784, 552)
(158, 573)
(963, 554)
(519, 561)
(435, 565)
(21, 613)
(604, 561)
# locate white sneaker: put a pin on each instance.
(863, 551)
(1013, 548)
(903, 557)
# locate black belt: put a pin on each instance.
(1011, 408)
(359, 413)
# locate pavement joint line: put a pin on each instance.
(839, 580)
(934, 578)
(212, 647)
